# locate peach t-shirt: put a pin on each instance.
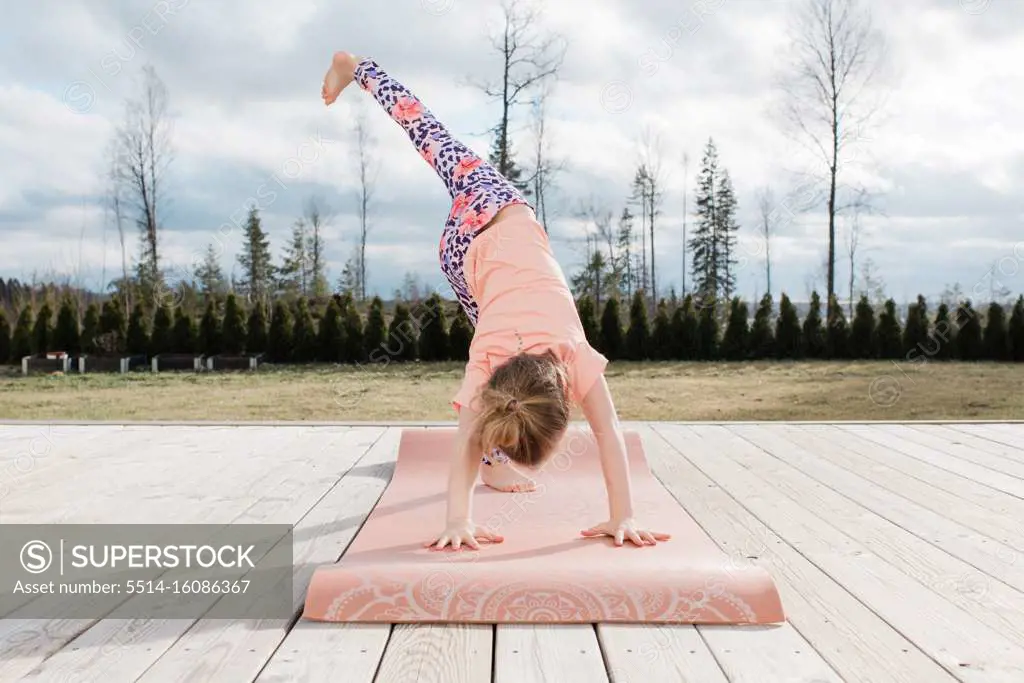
(524, 305)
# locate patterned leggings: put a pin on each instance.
(477, 189)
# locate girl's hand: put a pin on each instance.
(463, 532)
(623, 529)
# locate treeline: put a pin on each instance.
(296, 330)
(694, 330)
(304, 331)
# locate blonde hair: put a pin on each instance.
(524, 409)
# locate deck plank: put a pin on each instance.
(972, 470)
(983, 455)
(638, 653)
(550, 653)
(286, 494)
(1008, 443)
(865, 458)
(437, 653)
(27, 642)
(317, 651)
(969, 649)
(838, 637)
(213, 650)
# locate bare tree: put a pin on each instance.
(367, 169)
(853, 238)
(143, 151)
(116, 208)
(317, 217)
(686, 180)
(545, 167)
(769, 219)
(837, 55)
(528, 58)
(654, 177)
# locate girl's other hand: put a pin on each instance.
(620, 530)
(463, 532)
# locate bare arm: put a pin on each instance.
(600, 412)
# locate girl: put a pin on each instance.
(529, 356)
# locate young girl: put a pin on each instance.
(529, 356)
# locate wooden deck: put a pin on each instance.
(898, 550)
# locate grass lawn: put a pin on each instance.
(642, 391)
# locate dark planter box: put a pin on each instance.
(229, 362)
(139, 362)
(37, 364)
(167, 362)
(102, 364)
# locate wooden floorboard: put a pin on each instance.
(841, 635)
(896, 549)
(813, 517)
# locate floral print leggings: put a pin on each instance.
(477, 189)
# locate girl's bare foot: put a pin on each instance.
(501, 476)
(341, 73)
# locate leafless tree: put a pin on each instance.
(769, 220)
(837, 57)
(653, 180)
(367, 168)
(545, 166)
(317, 217)
(528, 59)
(142, 146)
(115, 206)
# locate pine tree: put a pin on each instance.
(726, 234)
(1016, 331)
(332, 335)
(212, 282)
(304, 337)
(279, 339)
(434, 331)
(996, 337)
(294, 272)
(762, 339)
(233, 332)
(113, 328)
(161, 341)
(376, 333)
(813, 340)
(503, 159)
(684, 331)
(661, 333)
(788, 343)
(588, 319)
(90, 329)
(943, 335)
(612, 342)
(42, 331)
(707, 334)
(705, 249)
(915, 333)
(736, 340)
(403, 337)
(256, 330)
(837, 334)
(968, 338)
(137, 337)
(185, 334)
(66, 335)
(5, 339)
(638, 335)
(862, 331)
(355, 345)
(210, 331)
(888, 336)
(257, 269)
(460, 336)
(21, 340)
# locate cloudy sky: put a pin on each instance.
(945, 157)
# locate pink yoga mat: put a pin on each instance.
(544, 571)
